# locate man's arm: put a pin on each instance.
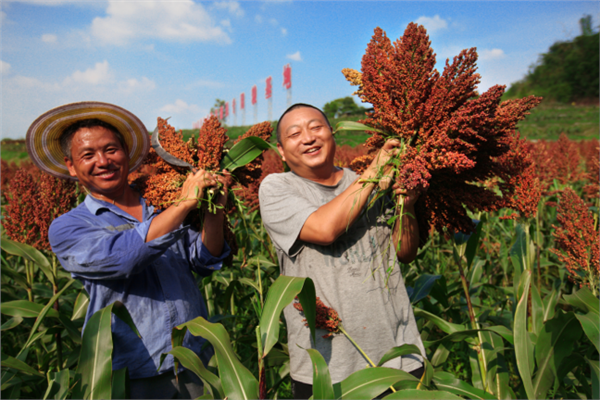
(212, 230)
(192, 190)
(409, 244)
(331, 220)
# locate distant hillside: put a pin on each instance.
(567, 73)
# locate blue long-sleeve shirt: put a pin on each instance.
(105, 248)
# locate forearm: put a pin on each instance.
(331, 220)
(169, 220)
(409, 237)
(212, 232)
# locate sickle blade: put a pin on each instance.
(169, 158)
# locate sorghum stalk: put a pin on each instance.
(474, 324)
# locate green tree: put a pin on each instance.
(567, 72)
(343, 106)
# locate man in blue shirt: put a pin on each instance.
(121, 250)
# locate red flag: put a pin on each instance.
(287, 76)
(233, 106)
(269, 88)
(226, 110)
(221, 112)
(253, 94)
(242, 101)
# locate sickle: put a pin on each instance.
(169, 158)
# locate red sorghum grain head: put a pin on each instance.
(326, 318)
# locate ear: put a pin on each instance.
(280, 148)
(70, 166)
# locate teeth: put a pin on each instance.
(312, 150)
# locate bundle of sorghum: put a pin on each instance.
(459, 146)
(560, 160)
(33, 200)
(345, 154)
(326, 318)
(577, 240)
(162, 182)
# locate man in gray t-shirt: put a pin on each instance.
(314, 215)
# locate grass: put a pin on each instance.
(549, 120)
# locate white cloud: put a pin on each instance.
(134, 85)
(232, 6)
(283, 31)
(180, 21)
(49, 38)
(4, 67)
(25, 82)
(432, 24)
(2, 16)
(181, 107)
(493, 54)
(273, 22)
(99, 74)
(296, 56)
(226, 23)
(258, 19)
(206, 84)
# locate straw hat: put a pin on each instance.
(43, 136)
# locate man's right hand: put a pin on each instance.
(194, 185)
(389, 150)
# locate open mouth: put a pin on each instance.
(312, 150)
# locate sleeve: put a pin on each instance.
(91, 251)
(284, 211)
(201, 260)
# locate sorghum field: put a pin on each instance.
(507, 307)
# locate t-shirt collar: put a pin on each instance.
(95, 205)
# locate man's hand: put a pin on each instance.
(194, 185)
(389, 150)
(225, 180)
(407, 197)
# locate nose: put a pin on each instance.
(308, 136)
(101, 159)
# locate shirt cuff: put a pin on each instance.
(211, 262)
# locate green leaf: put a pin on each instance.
(29, 253)
(502, 331)
(11, 323)
(422, 287)
(11, 362)
(523, 345)
(498, 374)
(555, 342)
(369, 383)
(24, 309)
(81, 305)
(192, 362)
(354, 126)
(250, 282)
(448, 382)
(595, 370)
(537, 310)
(18, 278)
(589, 323)
(280, 294)
(422, 394)
(444, 325)
(550, 302)
(46, 310)
(398, 351)
(473, 243)
(237, 381)
(95, 359)
(120, 384)
(583, 299)
(244, 152)
(322, 387)
(58, 387)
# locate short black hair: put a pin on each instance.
(292, 108)
(67, 136)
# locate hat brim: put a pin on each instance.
(43, 136)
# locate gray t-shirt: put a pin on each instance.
(349, 275)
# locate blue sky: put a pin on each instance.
(174, 58)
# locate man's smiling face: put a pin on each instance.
(307, 143)
(99, 161)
